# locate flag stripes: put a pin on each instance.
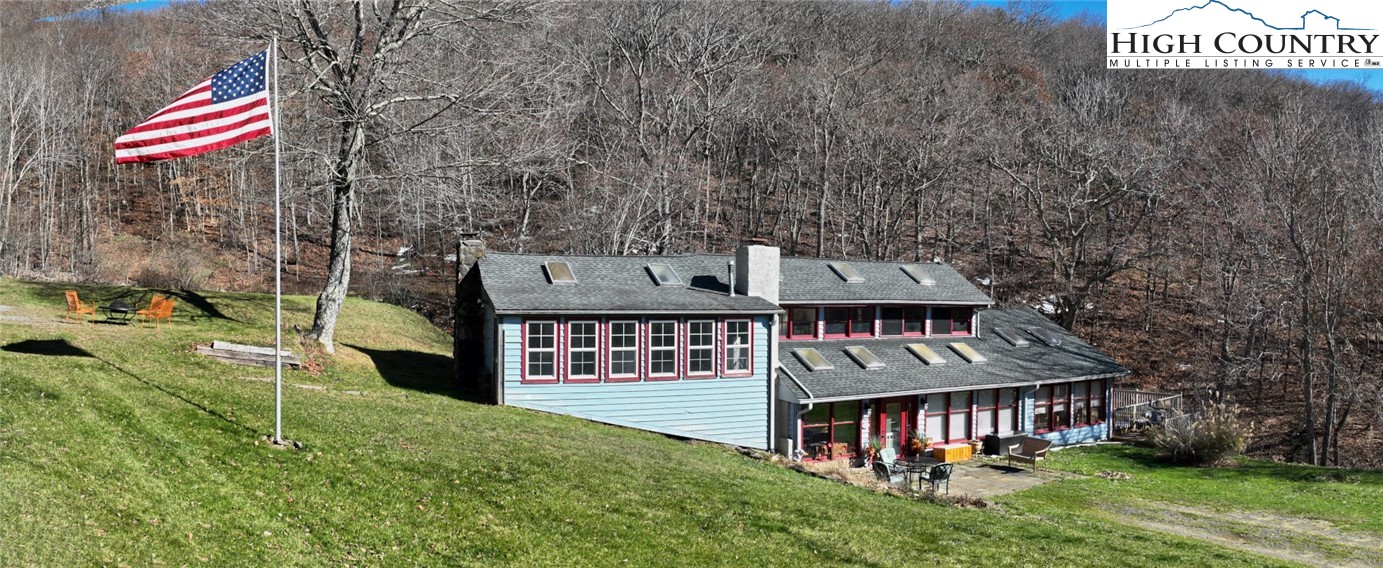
(228, 108)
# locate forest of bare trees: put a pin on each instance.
(1217, 231)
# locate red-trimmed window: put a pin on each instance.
(951, 321)
(850, 321)
(836, 321)
(624, 351)
(1051, 410)
(540, 350)
(831, 425)
(662, 349)
(862, 321)
(948, 417)
(701, 348)
(583, 352)
(996, 412)
(1097, 402)
(738, 355)
(903, 320)
(1087, 402)
(801, 323)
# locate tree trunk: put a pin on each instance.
(339, 266)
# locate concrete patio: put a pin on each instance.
(981, 478)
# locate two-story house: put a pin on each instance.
(790, 354)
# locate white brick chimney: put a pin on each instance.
(756, 271)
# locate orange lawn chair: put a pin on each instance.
(161, 311)
(149, 312)
(78, 307)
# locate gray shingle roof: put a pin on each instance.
(905, 374)
(517, 283)
(811, 280)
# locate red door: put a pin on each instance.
(893, 422)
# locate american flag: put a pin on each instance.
(230, 107)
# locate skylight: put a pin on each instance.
(846, 272)
(968, 353)
(560, 273)
(812, 359)
(915, 273)
(664, 274)
(1045, 336)
(864, 357)
(1011, 337)
(926, 354)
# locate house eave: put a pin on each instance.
(915, 392)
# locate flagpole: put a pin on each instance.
(278, 259)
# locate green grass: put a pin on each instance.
(119, 446)
(1348, 499)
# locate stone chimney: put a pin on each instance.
(756, 271)
(468, 252)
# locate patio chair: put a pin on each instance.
(154, 303)
(164, 312)
(76, 306)
(886, 467)
(1030, 450)
(941, 473)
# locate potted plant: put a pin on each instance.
(872, 450)
(917, 445)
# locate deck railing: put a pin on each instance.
(1135, 410)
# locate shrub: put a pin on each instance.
(1207, 438)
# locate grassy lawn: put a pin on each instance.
(1349, 499)
(119, 446)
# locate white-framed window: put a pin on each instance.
(583, 349)
(737, 352)
(701, 348)
(540, 350)
(662, 349)
(624, 349)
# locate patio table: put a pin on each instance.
(917, 468)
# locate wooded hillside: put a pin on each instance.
(1210, 229)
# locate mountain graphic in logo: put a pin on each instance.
(1221, 9)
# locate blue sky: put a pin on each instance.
(1094, 10)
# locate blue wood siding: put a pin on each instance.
(727, 410)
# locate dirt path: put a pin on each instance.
(1306, 541)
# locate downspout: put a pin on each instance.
(772, 381)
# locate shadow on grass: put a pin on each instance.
(201, 302)
(414, 370)
(167, 391)
(49, 347)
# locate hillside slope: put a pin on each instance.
(119, 446)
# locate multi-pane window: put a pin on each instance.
(948, 416)
(855, 321)
(837, 321)
(903, 320)
(662, 349)
(831, 431)
(801, 323)
(1052, 411)
(996, 411)
(624, 349)
(701, 347)
(1042, 409)
(583, 345)
(737, 346)
(541, 350)
(1087, 401)
(951, 321)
